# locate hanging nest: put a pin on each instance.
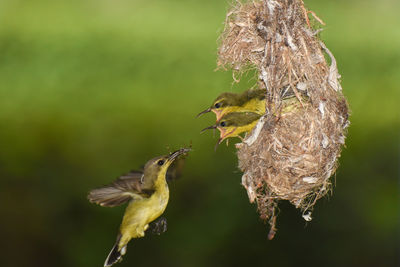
(292, 152)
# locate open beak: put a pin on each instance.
(224, 134)
(209, 127)
(177, 153)
(218, 114)
(203, 112)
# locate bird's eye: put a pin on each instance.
(218, 105)
(223, 124)
(160, 162)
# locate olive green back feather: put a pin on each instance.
(251, 94)
(127, 187)
(133, 185)
(239, 118)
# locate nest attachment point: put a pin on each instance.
(292, 152)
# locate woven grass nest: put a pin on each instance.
(291, 155)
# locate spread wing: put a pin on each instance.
(125, 188)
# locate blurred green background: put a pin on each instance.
(92, 89)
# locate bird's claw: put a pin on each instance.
(158, 227)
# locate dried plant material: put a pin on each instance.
(293, 150)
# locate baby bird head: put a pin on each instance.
(235, 123)
(224, 103)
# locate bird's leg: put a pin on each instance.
(158, 226)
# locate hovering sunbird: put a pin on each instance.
(147, 193)
(252, 100)
(235, 123)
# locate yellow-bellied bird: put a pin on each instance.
(252, 100)
(235, 123)
(147, 194)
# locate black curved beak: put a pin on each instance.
(203, 112)
(177, 153)
(218, 143)
(220, 140)
(209, 127)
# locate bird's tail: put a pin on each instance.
(115, 254)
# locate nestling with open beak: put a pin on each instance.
(252, 100)
(235, 123)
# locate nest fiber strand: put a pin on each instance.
(291, 153)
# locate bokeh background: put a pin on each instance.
(91, 89)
